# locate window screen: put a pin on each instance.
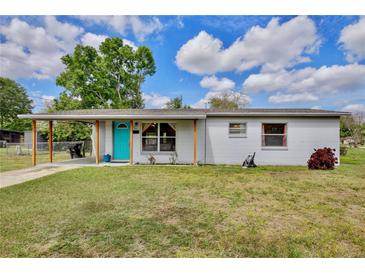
(237, 129)
(274, 135)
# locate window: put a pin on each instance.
(237, 129)
(167, 137)
(274, 135)
(149, 136)
(158, 137)
(122, 126)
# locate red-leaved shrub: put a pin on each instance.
(323, 158)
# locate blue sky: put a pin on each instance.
(280, 61)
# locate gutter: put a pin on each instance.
(106, 117)
(273, 114)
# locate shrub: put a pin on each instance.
(343, 150)
(322, 158)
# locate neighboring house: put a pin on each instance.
(11, 136)
(278, 136)
(28, 137)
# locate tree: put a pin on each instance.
(109, 77)
(176, 103)
(13, 101)
(226, 101)
(65, 101)
(353, 126)
(67, 131)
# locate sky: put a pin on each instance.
(266, 61)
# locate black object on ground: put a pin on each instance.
(75, 151)
(249, 161)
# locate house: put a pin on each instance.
(278, 136)
(11, 136)
(28, 137)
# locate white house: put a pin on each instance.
(278, 136)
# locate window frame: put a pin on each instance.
(237, 135)
(285, 135)
(125, 126)
(158, 137)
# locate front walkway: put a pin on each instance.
(19, 176)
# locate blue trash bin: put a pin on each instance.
(107, 158)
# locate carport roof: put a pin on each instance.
(177, 114)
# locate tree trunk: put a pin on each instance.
(117, 88)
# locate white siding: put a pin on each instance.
(304, 134)
(109, 137)
(200, 143)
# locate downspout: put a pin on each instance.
(205, 141)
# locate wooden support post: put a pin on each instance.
(34, 142)
(97, 142)
(131, 143)
(194, 143)
(50, 141)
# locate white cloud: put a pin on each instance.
(35, 52)
(63, 31)
(91, 39)
(154, 100)
(41, 102)
(324, 79)
(273, 47)
(47, 100)
(94, 40)
(30, 51)
(353, 40)
(180, 22)
(286, 98)
(318, 82)
(141, 28)
(130, 43)
(214, 84)
(14, 61)
(355, 108)
(219, 88)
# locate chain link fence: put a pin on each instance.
(19, 155)
(19, 149)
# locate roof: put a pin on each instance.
(178, 114)
(11, 130)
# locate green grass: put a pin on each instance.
(11, 161)
(208, 211)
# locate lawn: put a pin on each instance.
(10, 161)
(208, 211)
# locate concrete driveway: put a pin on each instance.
(19, 176)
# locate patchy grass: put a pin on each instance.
(11, 161)
(209, 211)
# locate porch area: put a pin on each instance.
(138, 133)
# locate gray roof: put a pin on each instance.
(105, 114)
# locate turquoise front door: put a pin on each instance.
(121, 136)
